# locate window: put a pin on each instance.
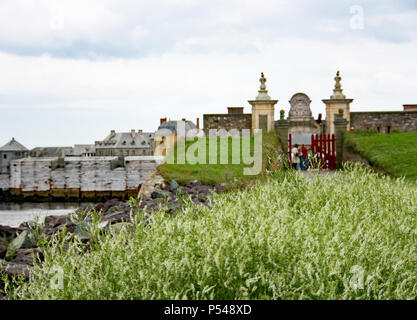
(5, 156)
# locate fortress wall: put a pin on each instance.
(4, 182)
(79, 175)
(227, 121)
(42, 175)
(73, 173)
(27, 176)
(118, 179)
(404, 121)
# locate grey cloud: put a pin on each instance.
(192, 26)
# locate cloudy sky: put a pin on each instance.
(72, 70)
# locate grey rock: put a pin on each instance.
(117, 217)
(26, 239)
(54, 221)
(174, 184)
(83, 231)
(27, 256)
(160, 194)
(193, 183)
(9, 231)
(13, 269)
(3, 248)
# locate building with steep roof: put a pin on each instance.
(84, 150)
(168, 132)
(125, 144)
(11, 151)
(50, 152)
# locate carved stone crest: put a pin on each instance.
(300, 108)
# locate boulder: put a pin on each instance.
(13, 269)
(26, 239)
(104, 207)
(202, 189)
(9, 231)
(27, 256)
(153, 183)
(3, 248)
(193, 183)
(117, 217)
(160, 194)
(174, 185)
(55, 221)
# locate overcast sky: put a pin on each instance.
(70, 71)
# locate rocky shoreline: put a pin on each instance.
(19, 246)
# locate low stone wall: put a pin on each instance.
(76, 179)
(227, 121)
(386, 121)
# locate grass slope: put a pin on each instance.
(351, 236)
(218, 173)
(396, 153)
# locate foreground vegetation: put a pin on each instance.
(218, 173)
(351, 236)
(395, 153)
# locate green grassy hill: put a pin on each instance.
(395, 153)
(218, 173)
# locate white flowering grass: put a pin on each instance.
(348, 236)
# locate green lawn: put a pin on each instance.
(396, 153)
(350, 236)
(218, 173)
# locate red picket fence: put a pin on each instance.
(323, 147)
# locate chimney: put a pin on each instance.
(319, 120)
(198, 123)
(162, 120)
(183, 119)
(140, 131)
(133, 134)
(235, 110)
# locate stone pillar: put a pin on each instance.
(281, 127)
(263, 106)
(337, 101)
(340, 129)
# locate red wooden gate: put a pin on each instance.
(323, 150)
(323, 147)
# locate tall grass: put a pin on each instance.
(348, 236)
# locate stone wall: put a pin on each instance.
(79, 178)
(227, 121)
(386, 121)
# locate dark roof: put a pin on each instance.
(13, 145)
(127, 140)
(172, 126)
(47, 152)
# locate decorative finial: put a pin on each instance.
(263, 93)
(282, 115)
(337, 91)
